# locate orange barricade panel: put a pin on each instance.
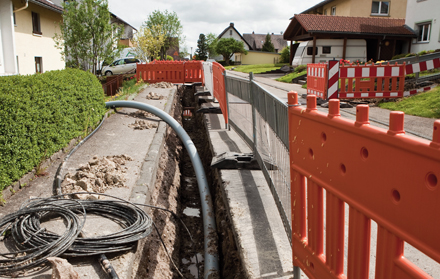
(382, 175)
(193, 71)
(219, 88)
(169, 71)
(317, 76)
(371, 81)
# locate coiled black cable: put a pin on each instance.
(35, 244)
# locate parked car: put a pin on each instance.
(120, 66)
(328, 49)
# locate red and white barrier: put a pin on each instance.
(422, 66)
(333, 79)
(415, 91)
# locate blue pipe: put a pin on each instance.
(211, 256)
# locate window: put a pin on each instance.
(380, 8)
(36, 24)
(230, 32)
(38, 64)
(333, 12)
(325, 11)
(424, 32)
(326, 49)
(310, 51)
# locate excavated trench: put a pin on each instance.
(176, 189)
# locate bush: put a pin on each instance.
(170, 58)
(410, 55)
(40, 114)
(285, 55)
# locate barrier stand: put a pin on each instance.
(317, 80)
(382, 175)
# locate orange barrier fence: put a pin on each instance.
(113, 84)
(317, 78)
(382, 175)
(193, 71)
(371, 81)
(173, 71)
(218, 80)
(170, 71)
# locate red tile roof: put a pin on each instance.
(348, 24)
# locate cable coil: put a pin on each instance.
(34, 244)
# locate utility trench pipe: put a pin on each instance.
(209, 227)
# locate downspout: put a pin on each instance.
(22, 8)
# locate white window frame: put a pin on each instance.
(422, 25)
(333, 10)
(380, 7)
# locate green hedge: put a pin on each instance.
(40, 114)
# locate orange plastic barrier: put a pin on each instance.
(193, 71)
(172, 71)
(382, 175)
(219, 88)
(371, 81)
(317, 77)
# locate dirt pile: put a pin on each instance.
(98, 175)
(154, 96)
(142, 125)
(141, 114)
(162, 84)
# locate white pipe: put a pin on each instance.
(22, 8)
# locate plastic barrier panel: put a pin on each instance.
(169, 71)
(371, 81)
(193, 71)
(317, 80)
(207, 76)
(382, 175)
(219, 88)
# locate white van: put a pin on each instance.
(327, 49)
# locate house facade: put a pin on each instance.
(34, 28)
(424, 18)
(253, 43)
(360, 8)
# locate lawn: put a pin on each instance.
(256, 69)
(424, 104)
(288, 78)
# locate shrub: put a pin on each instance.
(285, 55)
(170, 58)
(40, 114)
(410, 54)
(398, 56)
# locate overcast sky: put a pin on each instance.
(198, 16)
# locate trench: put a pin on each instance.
(191, 252)
(176, 190)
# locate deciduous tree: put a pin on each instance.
(227, 47)
(87, 37)
(268, 46)
(285, 55)
(211, 40)
(148, 46)
(171, 28)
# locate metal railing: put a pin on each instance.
(261, 119)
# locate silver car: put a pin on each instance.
(120, 66)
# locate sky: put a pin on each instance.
(203, 17)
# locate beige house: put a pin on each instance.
(35, 24)
(360, 8)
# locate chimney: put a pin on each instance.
(253, 32)
(231, 24)
(272, 33)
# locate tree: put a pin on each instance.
(268, 46)
(211, 40)
(285, 55)
(171, 28)
(227, 47)
(87, 37)
(202, 48)
(148, 46)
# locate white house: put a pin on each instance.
(423, 16)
